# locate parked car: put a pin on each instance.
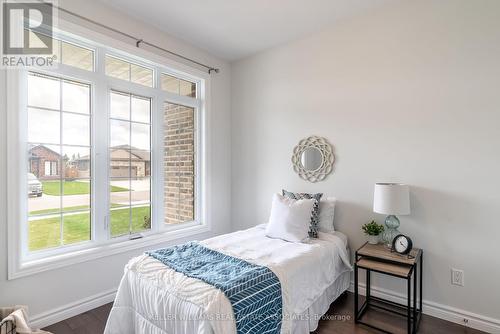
(35, 187)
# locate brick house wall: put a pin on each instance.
(179, 163)
(40, 154)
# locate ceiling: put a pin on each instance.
(234, 29)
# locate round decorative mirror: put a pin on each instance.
(313, 159)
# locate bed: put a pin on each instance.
(153, 298)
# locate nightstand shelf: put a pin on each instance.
(380, 259)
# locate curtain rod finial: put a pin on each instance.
(216, 70)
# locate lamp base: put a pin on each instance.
(391, 230)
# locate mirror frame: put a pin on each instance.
(326, 167)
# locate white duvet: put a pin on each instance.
(152, 298)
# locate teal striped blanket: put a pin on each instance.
(254, 291)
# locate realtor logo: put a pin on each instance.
(27, 34)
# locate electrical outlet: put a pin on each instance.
(457, 277)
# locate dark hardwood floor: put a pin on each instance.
(344, 306)
(340, 320)
(91, 322)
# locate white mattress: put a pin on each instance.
(152, 298)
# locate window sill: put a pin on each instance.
(28, 268)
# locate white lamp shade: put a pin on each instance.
(391, 199)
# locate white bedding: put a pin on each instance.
(152, 298)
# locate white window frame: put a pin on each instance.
(20, 261)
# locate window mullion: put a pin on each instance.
(100, 179)
(157, 170)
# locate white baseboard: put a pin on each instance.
(458, 316)
(70, 310)
(465, 318)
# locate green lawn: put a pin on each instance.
(120, 219)
(71, 188)
(45, 233)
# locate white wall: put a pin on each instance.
(408, 92)
(48, 290)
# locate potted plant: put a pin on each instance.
(372, 230)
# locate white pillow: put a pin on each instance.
(326, 214)
(289, 218)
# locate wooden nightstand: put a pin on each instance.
(380, 259)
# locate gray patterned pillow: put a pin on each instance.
(313, 227)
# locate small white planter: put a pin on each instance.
(373, 239)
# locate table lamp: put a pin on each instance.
(391, 199)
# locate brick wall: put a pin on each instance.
(179, 163)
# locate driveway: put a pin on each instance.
(140, 195)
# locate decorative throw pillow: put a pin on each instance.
(326, 215)
(289, 218)
(313, 227)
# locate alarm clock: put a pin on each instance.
(402, 244)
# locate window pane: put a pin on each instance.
(77, 56)
(125, 70)
(117, 68)
(43, 92)
(140, 138)
(76, 162)
(44, 232)
(43, 126)
(34, 40)
(76, 227)
(43, 191)
(187, 88)
(141, 218)
(140, 191)
(58, 175)
(41, 156)
(141, 163)
(179, 163)
(120, 134)
(120, 192)
(119, 162)
(141, 109)
(120, 106)
(76, 97)
(141, 75)
(169, 83)
(56, 50)
(119, 206)
(76, 129)
(130, 165)
(76, 195)
(120, 221)
(52, 188)
(178, 86)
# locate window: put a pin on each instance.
(59, 118)
(130, 162)
(178, 86)
(51, 168)
(110, 155)
(68, 53)
(179, 163)
(47, 168)
(125, 70)
(73, 55)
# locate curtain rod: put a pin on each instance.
(138, 41)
